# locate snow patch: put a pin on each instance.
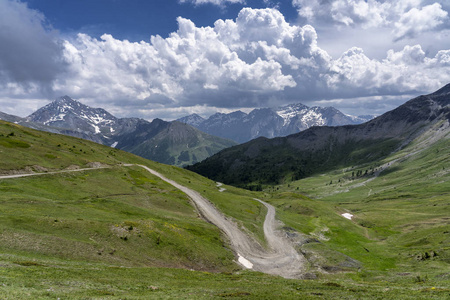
(114, 144)
(291, 111)
(312, 117)
(347, 216)
(245, 262)
(96, 128)
(59, 117)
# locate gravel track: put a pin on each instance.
(279, 259)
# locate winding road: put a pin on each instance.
(280, 258)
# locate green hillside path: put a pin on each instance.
(279, 259)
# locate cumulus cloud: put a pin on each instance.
(238, 63)
(192, 64)
(258, 59)
(30, 53)
(405, 18)
(416, 21)
(401, 72)
(345, 12)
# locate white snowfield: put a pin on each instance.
(280, 259)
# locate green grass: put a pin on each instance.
(401, 222)
(118, 216)
(234, 202)
(52, 279)
(121, 232)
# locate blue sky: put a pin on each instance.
(137, 20)
(170, 58)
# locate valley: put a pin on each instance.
(225, 149)
(98, 222)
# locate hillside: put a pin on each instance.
(119, 232)
(110, 214)
(173, 144)
(318, 149)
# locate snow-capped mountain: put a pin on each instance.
(290, 112)
(271, 122)
(323, 148)
(68, 113)
(157, 140)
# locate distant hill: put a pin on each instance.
(271, 122)
(157, 140)
(171, 143)
(10, 118)
(319, 149)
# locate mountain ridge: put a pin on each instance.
(270, 122)
(70, 117)
(269, 161)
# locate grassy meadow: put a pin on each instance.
(121, 233)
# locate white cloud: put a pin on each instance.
(178, 67)
(416, 21)
(442, 58)
(401, 72)
(410, 55)
(405, 18)
(259, 59)
(344, 12)
(30, 53)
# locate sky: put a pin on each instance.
(171, 58)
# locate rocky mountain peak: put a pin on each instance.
(270, 122)
(66, 112)
(193, 120)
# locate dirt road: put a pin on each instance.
(279, 259)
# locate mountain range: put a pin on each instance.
(271, 122)
(318, 149)
(185, 141)
(76, 211)
(166, 142)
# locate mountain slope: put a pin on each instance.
(9, 118)
(68, 113)
(322, 148)
(174, 144)
(270, 122)
(70, 117)
(113, 232)
(106, 214)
